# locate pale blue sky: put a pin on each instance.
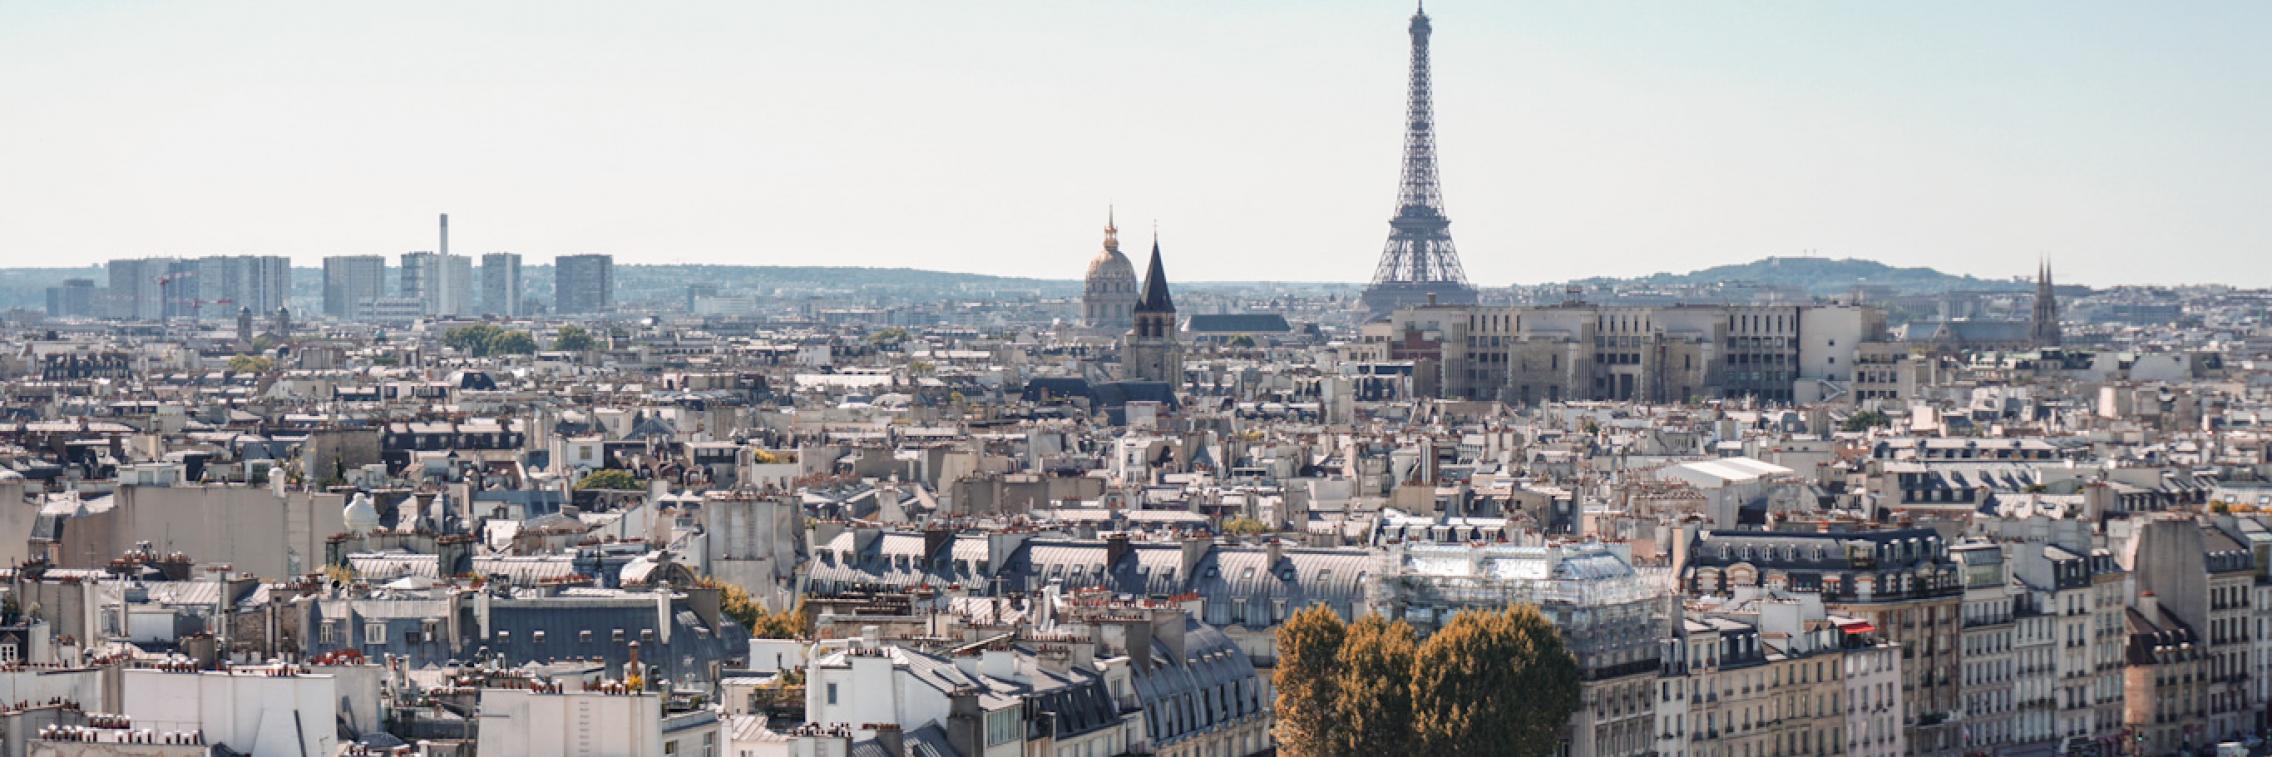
(2127, 140)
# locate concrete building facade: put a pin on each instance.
(351, 283)
(501, 284)
(583, 283)
(1577, 351)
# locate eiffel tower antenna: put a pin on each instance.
(1419, 265)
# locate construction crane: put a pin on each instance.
(166, 291)
(196, 306)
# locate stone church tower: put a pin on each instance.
(1150, 351)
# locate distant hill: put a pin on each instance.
(1815, 276)
(27, 287)
(1825, 277)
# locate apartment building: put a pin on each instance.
(1900, 582)
(1577, 351)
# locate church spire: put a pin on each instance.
(1150, 351)
(2046, 316)
(1154, 298)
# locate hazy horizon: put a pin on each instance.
(2123, 141)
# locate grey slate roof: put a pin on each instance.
(1154, 298)
(1237, 323)
(1234, 583)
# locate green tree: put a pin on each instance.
(735, 602)
(781, 625)
(1374, 712)
(1864, 421)
(889, 336)
(514, 342)
(251, 364)
(1494, 683)
(1243, 526)
(573, 338)
(475, 340)
(1243, 341)
(619, 480)
(1308, 682)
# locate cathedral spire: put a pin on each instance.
(1150, 351)
(1154, 298)
(2046, 316)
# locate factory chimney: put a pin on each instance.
(445, 233)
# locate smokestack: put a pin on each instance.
(445, 233)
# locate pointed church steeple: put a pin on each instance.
(1154, 298)
(1150, 351)
(2046, 317)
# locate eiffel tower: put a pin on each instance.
(1419, 264)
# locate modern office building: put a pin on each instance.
(501, 284)
(443, 281)
(454, 290)
(351, 282)
(418, 272)
(583, 283)
(226, 283)
(76, 298)
(139, 287)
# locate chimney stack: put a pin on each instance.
(445, 233)
(1116, 548)
(889, 737)
(1195, 548)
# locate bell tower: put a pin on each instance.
(1151, 350)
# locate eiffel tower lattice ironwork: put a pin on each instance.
(1419, 264)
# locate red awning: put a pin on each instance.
(1858, 628)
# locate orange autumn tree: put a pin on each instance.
(1490, 682)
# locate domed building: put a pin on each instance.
(1108, 299)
